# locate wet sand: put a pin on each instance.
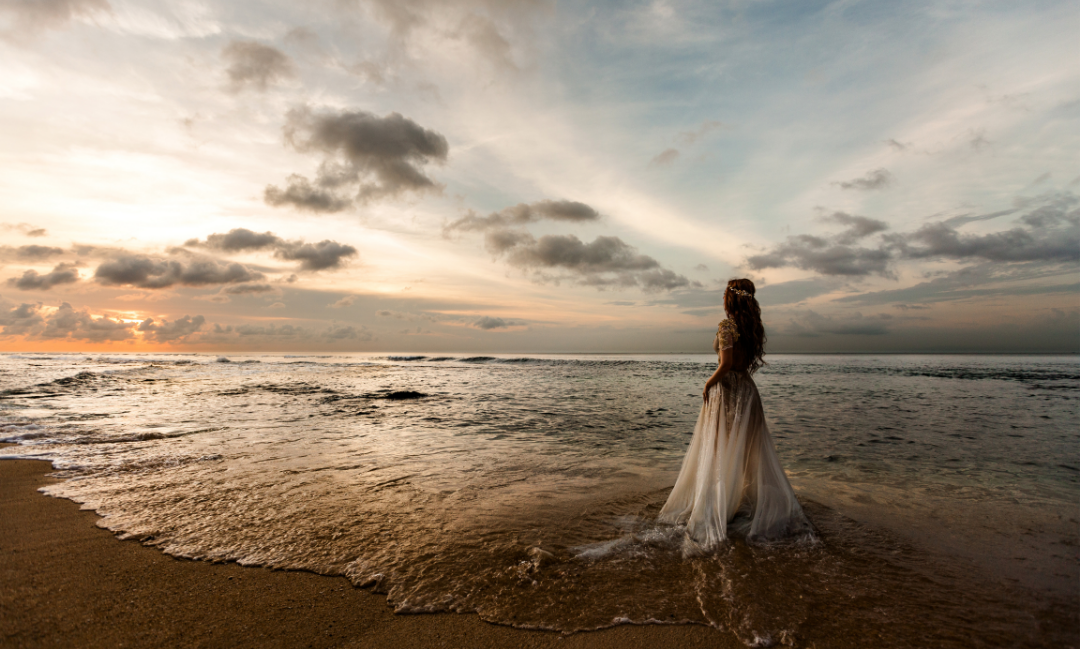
(64, 582)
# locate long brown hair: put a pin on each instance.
(746, 314)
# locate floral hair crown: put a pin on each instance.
(739, 292)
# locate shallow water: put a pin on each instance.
(944, 488)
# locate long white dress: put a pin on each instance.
(731, 467)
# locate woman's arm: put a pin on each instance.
(727, 356)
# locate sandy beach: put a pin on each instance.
(68, 583)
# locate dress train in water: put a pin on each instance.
(732, 467)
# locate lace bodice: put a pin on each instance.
(726, 335)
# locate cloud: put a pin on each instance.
(284, 331)
(315, 256)
(170, 331)
(346, 301)
(524, 213)
(237, 240)
(23, 319)
(859, 227)
(984, 280)
(911, 307)
(810, 324)
(365, 157)
(937, 240)
(146, 272)
(256, 66)
(312, 256)
(487, 323)
(248, 289)
(303, 195)
(978, 140)
(876, 179)
(794, 291)
(33, 16)
(823, 256)
(488, 27)
(344, 332)
(37, 252)
(25, 228)
(333, 332)
(964, 219)
(31, 280)
(1049, 233)
(665, 157)
(604, 262)
(68, 322)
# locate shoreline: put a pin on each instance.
(67, 582)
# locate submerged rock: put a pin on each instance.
(401, 395)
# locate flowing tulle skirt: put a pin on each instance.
(732, 468)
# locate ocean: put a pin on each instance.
(944, 490)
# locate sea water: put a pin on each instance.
(944, 490)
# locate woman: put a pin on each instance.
(731, 466)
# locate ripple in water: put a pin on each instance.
(526, 489)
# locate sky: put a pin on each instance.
(529, 176)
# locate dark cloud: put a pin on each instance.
(31, 280)
(333, 332)
(25, 228)
(876, 179)
(701, 267)
(23, 319)
(985, 280)
(366, 157)
(237, 239)
(604, 262)
(315, 256)
(964, 219)
(858, 227)
(911, 307)
(312, 256)
(169, 331)
(37, 252)
(897, 145)
(283, 331)
(665, 157)
(1049, 233)
(487, 323)
(32, 16)
(344, 332)
(303, 195)
(256, 66)
(939, 241)
(248, 289)
(76, 324)
(147, 272)
(824, 256)
(525, 213)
